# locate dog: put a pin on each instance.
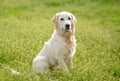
(60, 48)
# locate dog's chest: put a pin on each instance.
(64, 48)
(69, 50)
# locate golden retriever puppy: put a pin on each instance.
(60, 48)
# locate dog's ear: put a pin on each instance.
(55, 20)
(74, 18)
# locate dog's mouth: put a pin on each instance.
(66, 30)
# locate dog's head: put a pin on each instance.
(64, 22)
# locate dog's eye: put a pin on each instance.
(61, 19)
(69, 18)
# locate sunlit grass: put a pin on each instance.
(26, 24)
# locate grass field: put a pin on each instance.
(26, 24)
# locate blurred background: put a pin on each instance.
(26, 24)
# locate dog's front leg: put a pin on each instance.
(70, 64)
(62, 64)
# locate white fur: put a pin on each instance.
(60, 48)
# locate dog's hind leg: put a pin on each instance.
(40, 64)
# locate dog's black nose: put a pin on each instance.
(67, 26)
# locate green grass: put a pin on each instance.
(26, 24)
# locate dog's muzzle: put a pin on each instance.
(67, 27)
